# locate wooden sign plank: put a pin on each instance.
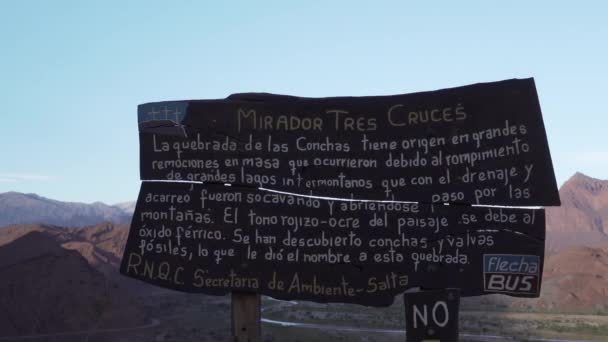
(477, 144)
(216, 239)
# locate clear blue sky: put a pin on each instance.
(73, 72)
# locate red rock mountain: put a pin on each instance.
(582, 219)
(45, 288)
(101, 244)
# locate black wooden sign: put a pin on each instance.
(217, 239)
(477, 144)
(432, 315)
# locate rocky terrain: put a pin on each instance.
(582, 219)
(45, 288)
(56, 279)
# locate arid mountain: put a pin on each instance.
(12, 232)
(580, 275)
(582, 219)
(101, 244)
(60, 279)
(16, 207)
(127, 207)
(109, 237)
(45, 288)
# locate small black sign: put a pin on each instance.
(432, 315)
(216, 239)
(478, 144)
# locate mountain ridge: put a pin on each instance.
(582, 219)
(24, 208)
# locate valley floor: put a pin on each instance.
(384, 324)
(185, 317)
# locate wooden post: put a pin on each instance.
(246, 315)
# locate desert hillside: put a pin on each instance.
(45, 288)
(582, 219)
